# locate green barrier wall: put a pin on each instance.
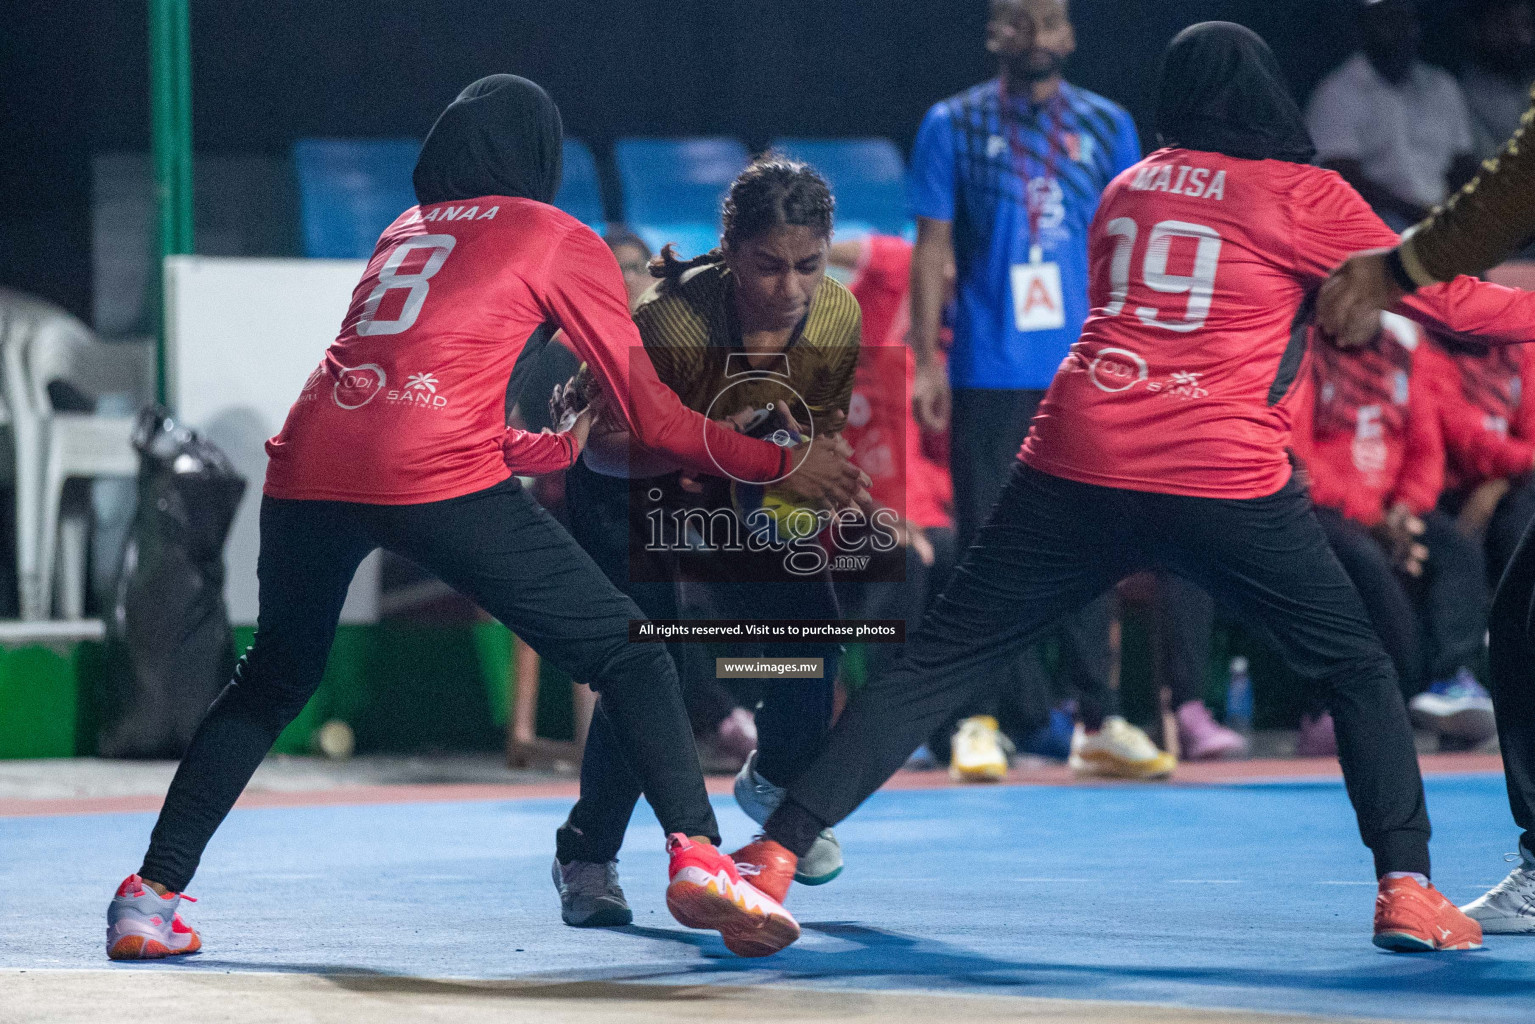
(402, 688)
(438, 688)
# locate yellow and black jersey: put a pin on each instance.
(690, 333)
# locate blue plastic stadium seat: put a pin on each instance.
(676, 181)
(692, 238)
(580, 192)
(350, 190)
(868, 177)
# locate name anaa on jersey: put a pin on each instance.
(443, 213)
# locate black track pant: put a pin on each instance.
(794, 714)
(1512, 656)
(1431, 626)
(987, 429)
(1185, 619)
(907, 599)
(1507, 527)
(1051, 546)
(498, 547)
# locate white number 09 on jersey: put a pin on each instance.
(1199, 285)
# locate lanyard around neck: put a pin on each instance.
(1055, 136)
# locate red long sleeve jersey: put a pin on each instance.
(1489, 425)
(409, 403)
(1198, 262)
(1369, 434)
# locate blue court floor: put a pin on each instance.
(1243, 896)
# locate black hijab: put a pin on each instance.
(501, 137)
(1220, 90)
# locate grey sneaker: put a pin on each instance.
(759, 798)
(590, 896)
(143, 925)
(1508, 908)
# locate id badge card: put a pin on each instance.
(1037, 301)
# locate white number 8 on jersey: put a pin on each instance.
(388, 280)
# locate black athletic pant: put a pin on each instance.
(987, 427)
(498, 547)
(598, 510)
(792, 718)
(1432, 626)
(1511, 627)
(1184, 616)
(1385, 597)
(1507, 527)
(1051, 546)
(907, 600)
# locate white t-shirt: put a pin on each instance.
(1496, 105)
(1405, 136)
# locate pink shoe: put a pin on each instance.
(1317, 738)
(1202, 738)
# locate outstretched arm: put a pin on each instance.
(1480, 226)
(1334, 220)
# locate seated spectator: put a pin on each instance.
(1489, 436)
(1394, 127)
(909, 470)
(633, 257)
(1373, 449)
(1497, 80)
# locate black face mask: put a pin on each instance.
(501, 137)
(1220, 90)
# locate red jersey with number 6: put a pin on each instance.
(409, 403)
(1370, 435)
(1200, 267)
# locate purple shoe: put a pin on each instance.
(1317, 738)
(1202, 738)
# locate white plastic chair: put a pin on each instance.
(43, 344)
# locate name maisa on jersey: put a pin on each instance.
(1181, 180)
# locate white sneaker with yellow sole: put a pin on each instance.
(978, 751)
(1119, 750)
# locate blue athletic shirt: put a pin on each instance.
(965, 169)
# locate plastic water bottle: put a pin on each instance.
(1239, 697)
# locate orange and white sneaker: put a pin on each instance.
(143, 925)
(707, 891)
(769, 865)
(1412, 918)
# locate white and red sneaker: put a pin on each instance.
(143, 925)
(707, 891)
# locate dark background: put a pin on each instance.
(76, 82)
